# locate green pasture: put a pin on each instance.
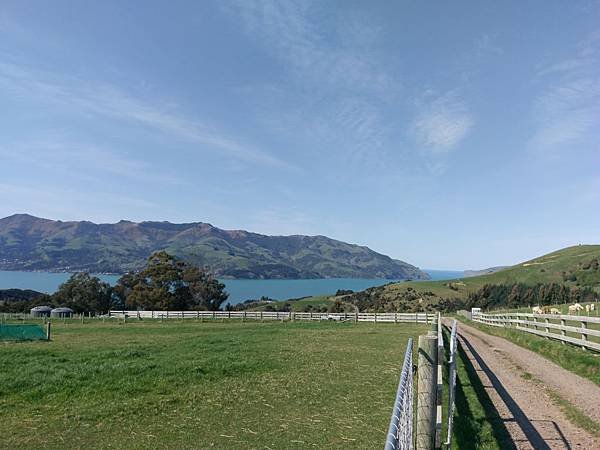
(186, 384)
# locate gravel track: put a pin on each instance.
(524, 403)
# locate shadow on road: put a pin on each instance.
(531, 433)
(466, 426)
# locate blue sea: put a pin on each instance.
(239, 290)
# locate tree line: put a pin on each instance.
(166, 283)
(520, 294)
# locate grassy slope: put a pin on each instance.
(545, 269)
(185, 385)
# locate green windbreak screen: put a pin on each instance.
(21, 332)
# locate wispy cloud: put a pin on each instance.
(442, 122)
(567, 114)
(294, 31)
(58, 153)
(339, 84)
(108, 100)
(567, 111)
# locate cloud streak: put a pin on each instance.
(341, 88)
(294, 32)
(56, 153)
(567, 112)
(109, 101)
(442, 122)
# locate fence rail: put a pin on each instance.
(440, 383)
(273, 315)
(400, 431)
(545, 325)
(451, 383)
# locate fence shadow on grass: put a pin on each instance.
(467, 427)
(530, 432)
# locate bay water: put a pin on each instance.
(239, 290)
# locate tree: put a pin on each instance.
(168, 283)
(84, 293)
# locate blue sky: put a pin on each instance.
(447, 134)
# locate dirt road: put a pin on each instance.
(523, 386)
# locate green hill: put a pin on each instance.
(577, 266)
(31, 243)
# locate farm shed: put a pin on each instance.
(41, 311)
(62, 312)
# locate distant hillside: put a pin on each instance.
(475, 273)
(31, 243)
(577, 266)
(18, 295)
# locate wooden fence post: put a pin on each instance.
(427, 391)
(547, 321)
(563, 332)
(583, 335)
(48, 329)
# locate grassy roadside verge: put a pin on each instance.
(581, 362)
(477, 424)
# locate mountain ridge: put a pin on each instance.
(32, 243)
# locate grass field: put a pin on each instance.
(202, 385)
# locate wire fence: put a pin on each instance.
(400, 432)
(451, 382)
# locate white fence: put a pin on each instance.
(272, 315)
(566, 328)
(451, 383)
(440, 382)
